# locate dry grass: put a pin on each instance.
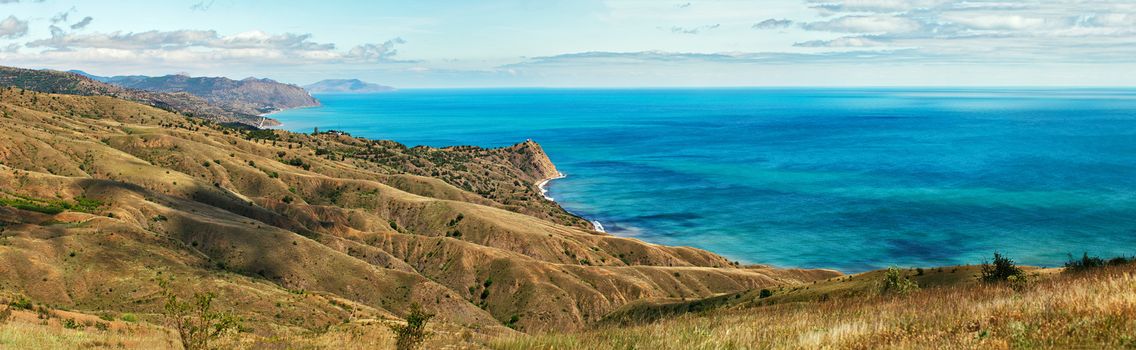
(26, 330)
(1096, 309)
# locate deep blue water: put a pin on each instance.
(852, 179)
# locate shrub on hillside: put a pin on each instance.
(1084, 263)
(895, 283)
(1087, 262)
(1001, 270)
(411, 335)
(196, 323)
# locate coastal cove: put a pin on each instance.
(829, 178)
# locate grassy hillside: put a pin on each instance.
(1086, 310)
(308, 235)
(75, 84)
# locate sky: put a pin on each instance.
(586, 43)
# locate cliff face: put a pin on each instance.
(101, 196)
(534, 162)
(248, 96)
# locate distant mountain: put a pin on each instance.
(80, 83)
(249, 96)
(354, 86)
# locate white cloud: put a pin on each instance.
(13, 27)
(876, 6)
(694, 30)
(376, 52)
(773, 23)
(180, 39)
(83, 23)
(866, 24)
(988, 31)
(995, 22)
(843, 42)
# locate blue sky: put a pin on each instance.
(587, 42)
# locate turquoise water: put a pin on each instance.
(852, 179)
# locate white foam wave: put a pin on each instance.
(596, 225)
(543, 186)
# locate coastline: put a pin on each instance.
(543, 186)
(277, 124)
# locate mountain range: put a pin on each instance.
(248, 96)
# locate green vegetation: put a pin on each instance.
(1087, 262)
(194, 320)
(1001, 270)
(21, 302)
(411, 335)
(896, 283)
(80, 204)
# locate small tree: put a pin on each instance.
(1002, 269)
(895, 282)
(411, 335)
(1086, 262)
(195, 321)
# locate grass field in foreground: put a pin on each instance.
(1093, 309)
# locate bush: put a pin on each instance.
(70, 323)
(1001, 270)
(895, 283)
(1120, 260)
(411, 335)
(195, 321)
(21, 302)
(1084, 263)
(765, 293)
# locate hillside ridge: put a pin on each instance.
(251, 95)
(50, 81)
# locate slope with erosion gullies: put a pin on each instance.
(75, 84)
(126, 192)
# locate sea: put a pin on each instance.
(852, 179)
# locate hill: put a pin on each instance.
(307, 237)
(248, 96)
(354, 86)
(1093, 309)
(75, 84)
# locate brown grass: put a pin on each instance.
(1096, 309)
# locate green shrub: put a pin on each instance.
(70, 323)
(194, 320)
(1084, 263)
(895, 283)
(765, 293)
(1001, 270)
(21, 302)
(1120, 260)
(128, 318)
(413, 333)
